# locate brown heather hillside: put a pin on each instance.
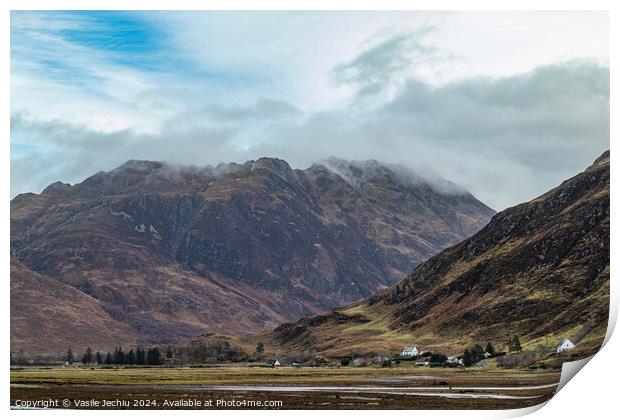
(82, 318)
(539, 270)
(150, 253)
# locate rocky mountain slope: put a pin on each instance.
(539, 270)
(160, 253)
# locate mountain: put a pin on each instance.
(154, 253)
(539, 270)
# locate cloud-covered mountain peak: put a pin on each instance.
(357, 173)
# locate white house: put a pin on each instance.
(273, 363)
(452, 360)
(409, 352)
(566, 344)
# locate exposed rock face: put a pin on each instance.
(170, 252)
(540, 269)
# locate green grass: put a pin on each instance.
(236, 375)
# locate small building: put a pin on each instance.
(452, 360)
(423, 362)
(565, 345)
(273, 363)
(409, 352)
(359, 362)
(487, 355)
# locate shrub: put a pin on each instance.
(438, 358)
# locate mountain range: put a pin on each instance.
(539, 270)
(156, 253)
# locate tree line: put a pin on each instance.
(138, 356)
(475, 353)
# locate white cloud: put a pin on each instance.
(494, 101)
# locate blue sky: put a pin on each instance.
(507, 104)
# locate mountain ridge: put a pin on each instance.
(348, 170)
(539, 270)
(171, 252)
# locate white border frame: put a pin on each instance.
(591, 395)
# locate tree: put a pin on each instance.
(119, 356)
(131, 357)
(98, 358)
(438, 358)
(69, 359)
(468, 360)
(260, 348)
(140, 356)
(169, 353)
(489, 349)
(87, 357)
(153, 356)
(345, 361)
(477, 352)
(514, 344)
(108, 359)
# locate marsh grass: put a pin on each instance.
(238, 375)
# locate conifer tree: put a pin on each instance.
(140, 356)
(119, 356)
(87, 357)
(153, 356)
(467, 358)
(131, 357)
(514, 344)
(477, 352)
(69, 357)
